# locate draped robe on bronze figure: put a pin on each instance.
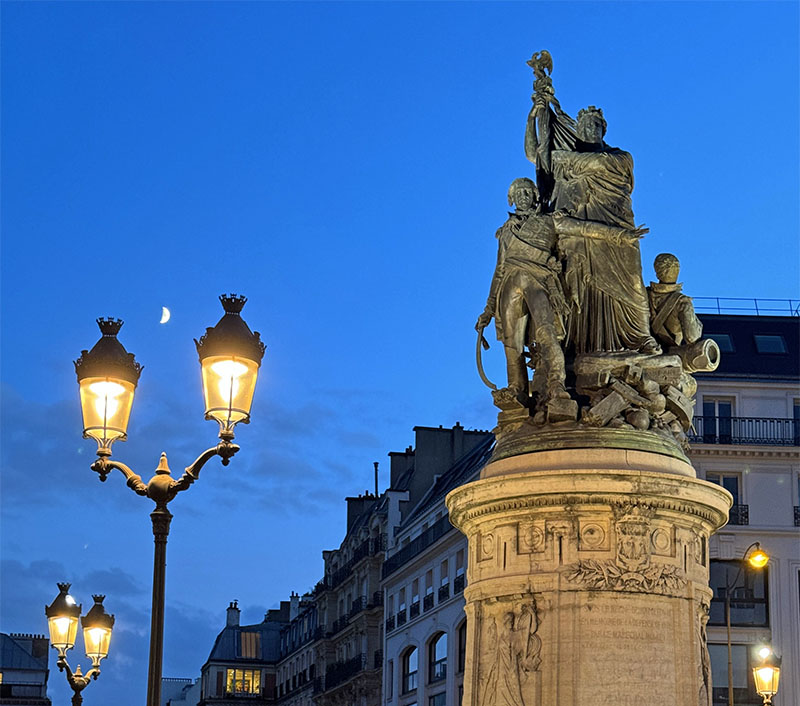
(603, 269)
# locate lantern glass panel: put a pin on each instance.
(96, 640)
(228, 386)
(106, 403)
(63, 631)
(766, 680)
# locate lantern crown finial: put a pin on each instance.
(109, 326)
(233, 303)
(231, 336)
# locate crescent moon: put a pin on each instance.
(164, 315)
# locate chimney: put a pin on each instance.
(233, 614)
(294, 605)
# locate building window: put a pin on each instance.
(739, 513)
(744, 693)
(437, 658)
(439, 699)
(716, 424)
(723, 340)
(462, 646)
(243, 681)
(250, 645)
(748, 594)
(389, 679)
(444, 574)
(410, 667)
(769, 343)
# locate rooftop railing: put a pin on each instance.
(741, 305)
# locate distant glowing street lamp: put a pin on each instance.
(230, 356)
(63, 615)
(758, 559)
(766, 676)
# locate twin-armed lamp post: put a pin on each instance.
(230, 356)
(62, 620)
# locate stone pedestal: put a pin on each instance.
(588, 579)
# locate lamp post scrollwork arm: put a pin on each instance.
(230, 355)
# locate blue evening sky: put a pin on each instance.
(345, 166)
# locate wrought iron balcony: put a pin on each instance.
(458, 583)
(402, 617)
(763, 431)
(339, 672)
(417, 545)
(390, 623)
(444, 592)
(414, 609)
(359, 604)
(797, 515)
(739, 515)
(427, 602)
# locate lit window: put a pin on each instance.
(243, 681)
(437, 658)
(767, 343)
(410, 666)
(250, 645)
(723, 340)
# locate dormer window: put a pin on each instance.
(769, 343)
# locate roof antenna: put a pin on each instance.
(375, 463)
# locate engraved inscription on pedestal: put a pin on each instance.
(608, 633)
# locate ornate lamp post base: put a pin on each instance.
(588, 579)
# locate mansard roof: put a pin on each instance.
(745, 360)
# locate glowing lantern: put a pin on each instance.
(97, 626)
(230, 356)
(107, 376)
(62, 619)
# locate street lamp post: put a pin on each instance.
(230, 356)
(63, 615)
(758, 560)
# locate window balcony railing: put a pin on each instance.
(358, 605)
(369, 547)
(402, 617)
(765, 431)
(390, 623)
(340, 672)
(417, 545)
(427, 602)
(458, 583)
(414, 609)
(739, 515)
(340, 624)
(444, 592)
(797, 515)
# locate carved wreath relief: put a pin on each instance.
(632, 570)
(511, 650)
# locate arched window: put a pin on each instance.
(437, 657)
(410, 666)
